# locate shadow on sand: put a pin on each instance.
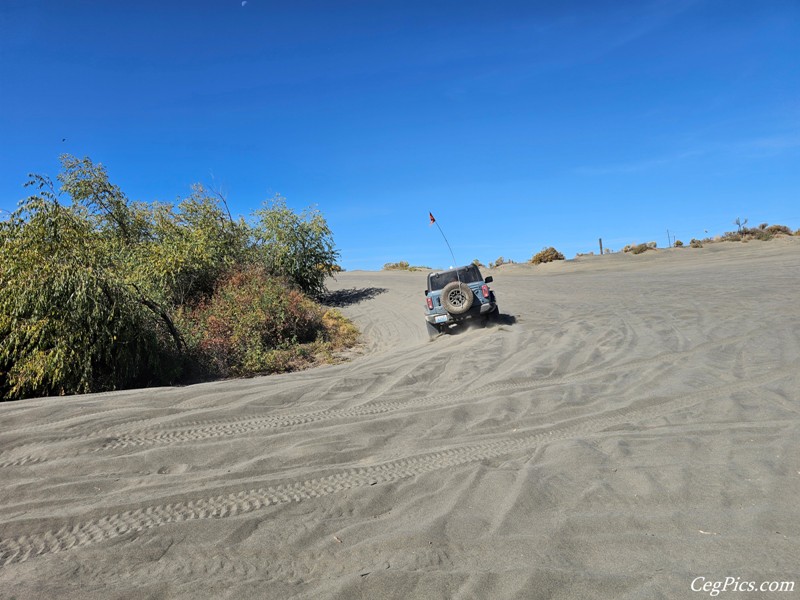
(503, 319)
(341, 298)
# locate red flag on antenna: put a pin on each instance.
(432, 219)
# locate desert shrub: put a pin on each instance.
(695, 243)
(758, 234)
(338, 332)
(404, 266)
(478, 263)
(776, 229)
(763, 232)
(546, 255)
(500, 261)
(639, 248)
(749, 233)
(678, 244)
(255, 323)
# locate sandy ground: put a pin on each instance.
(632, 424)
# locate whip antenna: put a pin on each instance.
(455, 263)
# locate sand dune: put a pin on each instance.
(632, 424)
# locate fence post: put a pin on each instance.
(601, 246)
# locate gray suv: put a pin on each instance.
(456, 295)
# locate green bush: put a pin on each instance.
(678, 244)
(249, 324)
(103, 293)
(69, 322)
(256, 323)
(546, 255)
(298, 247)
(188, 247)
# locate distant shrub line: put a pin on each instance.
(403, 265)
(763, 232)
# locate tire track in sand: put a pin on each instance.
(196, 431)
(93, 531)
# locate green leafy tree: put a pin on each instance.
(99, 292)
(127, 229)
(296, 246)
(189, 247)
(103, 203)
(68, 322)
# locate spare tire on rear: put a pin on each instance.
(457, 297)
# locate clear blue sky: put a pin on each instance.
(519, 124)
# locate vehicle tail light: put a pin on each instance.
(485, 290)
(430, 303)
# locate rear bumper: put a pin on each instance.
(441, 318)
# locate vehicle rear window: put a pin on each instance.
(470, 274)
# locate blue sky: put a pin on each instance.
(519, 124)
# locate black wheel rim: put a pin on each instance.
(457, 298)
